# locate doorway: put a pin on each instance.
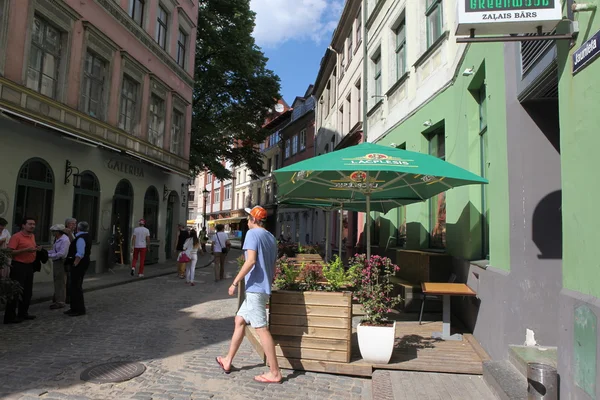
(121, 220)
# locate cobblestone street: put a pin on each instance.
(175, 330)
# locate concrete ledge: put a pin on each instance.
(520, 356)
(505, 381)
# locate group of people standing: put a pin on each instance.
(190, 242)
(70, 255)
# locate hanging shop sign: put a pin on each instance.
(505, 17)
(587, 53)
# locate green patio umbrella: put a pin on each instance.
(368, 172)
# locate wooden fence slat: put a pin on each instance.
(311, 298)
(303, 320)
(326, 333)
(311, 343)
(315, 311)
(312, 354)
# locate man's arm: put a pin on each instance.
(246, 268)
(132, 242)
(14, 243)
(80, 244)
(148, 239)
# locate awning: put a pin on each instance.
(224, 221)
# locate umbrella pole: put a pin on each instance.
(327, 223)
(341, 231)
(368, 228)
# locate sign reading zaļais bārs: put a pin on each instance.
(505, 17)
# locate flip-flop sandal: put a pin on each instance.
(262, 379)
(218, 360)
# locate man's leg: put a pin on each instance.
(236, 342)
(268, 345)
(142, 260)
(136, 251)
(10, 314)
(27, 290)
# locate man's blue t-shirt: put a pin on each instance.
(261, 276)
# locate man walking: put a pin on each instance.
(139, 243)
(258, 270)
(79, 260)
(23, 248)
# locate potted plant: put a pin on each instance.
(374, 292)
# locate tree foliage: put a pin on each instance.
(233, 90)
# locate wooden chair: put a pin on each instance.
(432, 297)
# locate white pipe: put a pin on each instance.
(368, 196)
(583, 7)
(327, 223)
(341, 231)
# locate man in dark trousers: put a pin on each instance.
(23, 252)
(79, 260)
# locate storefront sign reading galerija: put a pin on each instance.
(126, 168)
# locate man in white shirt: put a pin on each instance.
(139, 243)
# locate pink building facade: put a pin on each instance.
(95, 117)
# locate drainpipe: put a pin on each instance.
(365, 72)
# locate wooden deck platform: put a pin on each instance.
(415, 350)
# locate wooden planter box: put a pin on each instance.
(311, 326)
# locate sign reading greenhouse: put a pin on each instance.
(504, 17)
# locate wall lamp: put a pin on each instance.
(69, 169)
(428, 123)
(469, 71)
(166, 192)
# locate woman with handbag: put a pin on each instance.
(220, 247)
(191, 247)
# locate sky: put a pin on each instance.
(294, 35)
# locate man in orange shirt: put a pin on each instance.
(24, 249)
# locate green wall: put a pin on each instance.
(579, 102)
(458, 110)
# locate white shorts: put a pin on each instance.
(254, 309)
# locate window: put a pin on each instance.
(177, 133)
(350, 49)
(156, 123)
(377, 75)
(437, 205)
(35, 195)
(349, 108)
(269, 165)
(209, 179)
(44, 59)
(342, 60)
(433, 15)
(333, 87)
(244, 175)
(400, 50)
(327, 98)
(136, 11)
(161, 27)
(276, 161)
(303, 139)
(244, 201)
(127, 115)
(237, 201)
(217, 196)
(181, 46)
(227, 195)
(191, 196)
(86, 202)
(287, 148)
(295, 144)
(341, 119)
(485, 164)
(239, 177)
(359, 27)
(94, 72)
(190, 214)
(151, 203)
(358, 97)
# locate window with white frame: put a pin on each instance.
(287, 148)
(376, 63)
(156, 122)
(217, 196)
(358, 96)
(359, 27)
(177, 132)
(303, 139)
(350, 48)
(227, 193)
(400, 34)
(44, 58)
(162, 26)
(341, 120)
(349, 108)
(237, 201)
(333, 87)
(295, 144)
(136, 11)
(343, 60)
(182, 39)
(92, 89)
(129, 101)
(434, 16)
(209, 178)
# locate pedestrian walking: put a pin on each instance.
(4, 238)
(71, 227)
(23, 252)
(220, 247)
(260, 249)
(191, 246)
(58, 254)
(139, 243)
(182, 236)
(78, 259)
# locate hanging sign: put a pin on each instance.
(505, 17)
(587, 53)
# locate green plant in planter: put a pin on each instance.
(311, 276)
(286, 275)
(374, 288)
(338, 277)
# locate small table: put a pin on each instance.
(446, 290)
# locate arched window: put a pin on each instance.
(34, 197)
(124, 189)
(86, 202)
(151, 202)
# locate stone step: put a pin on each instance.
(504, 380)
(520, 356)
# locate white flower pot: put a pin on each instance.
(376, 343)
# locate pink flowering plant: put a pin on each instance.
(374, 287)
